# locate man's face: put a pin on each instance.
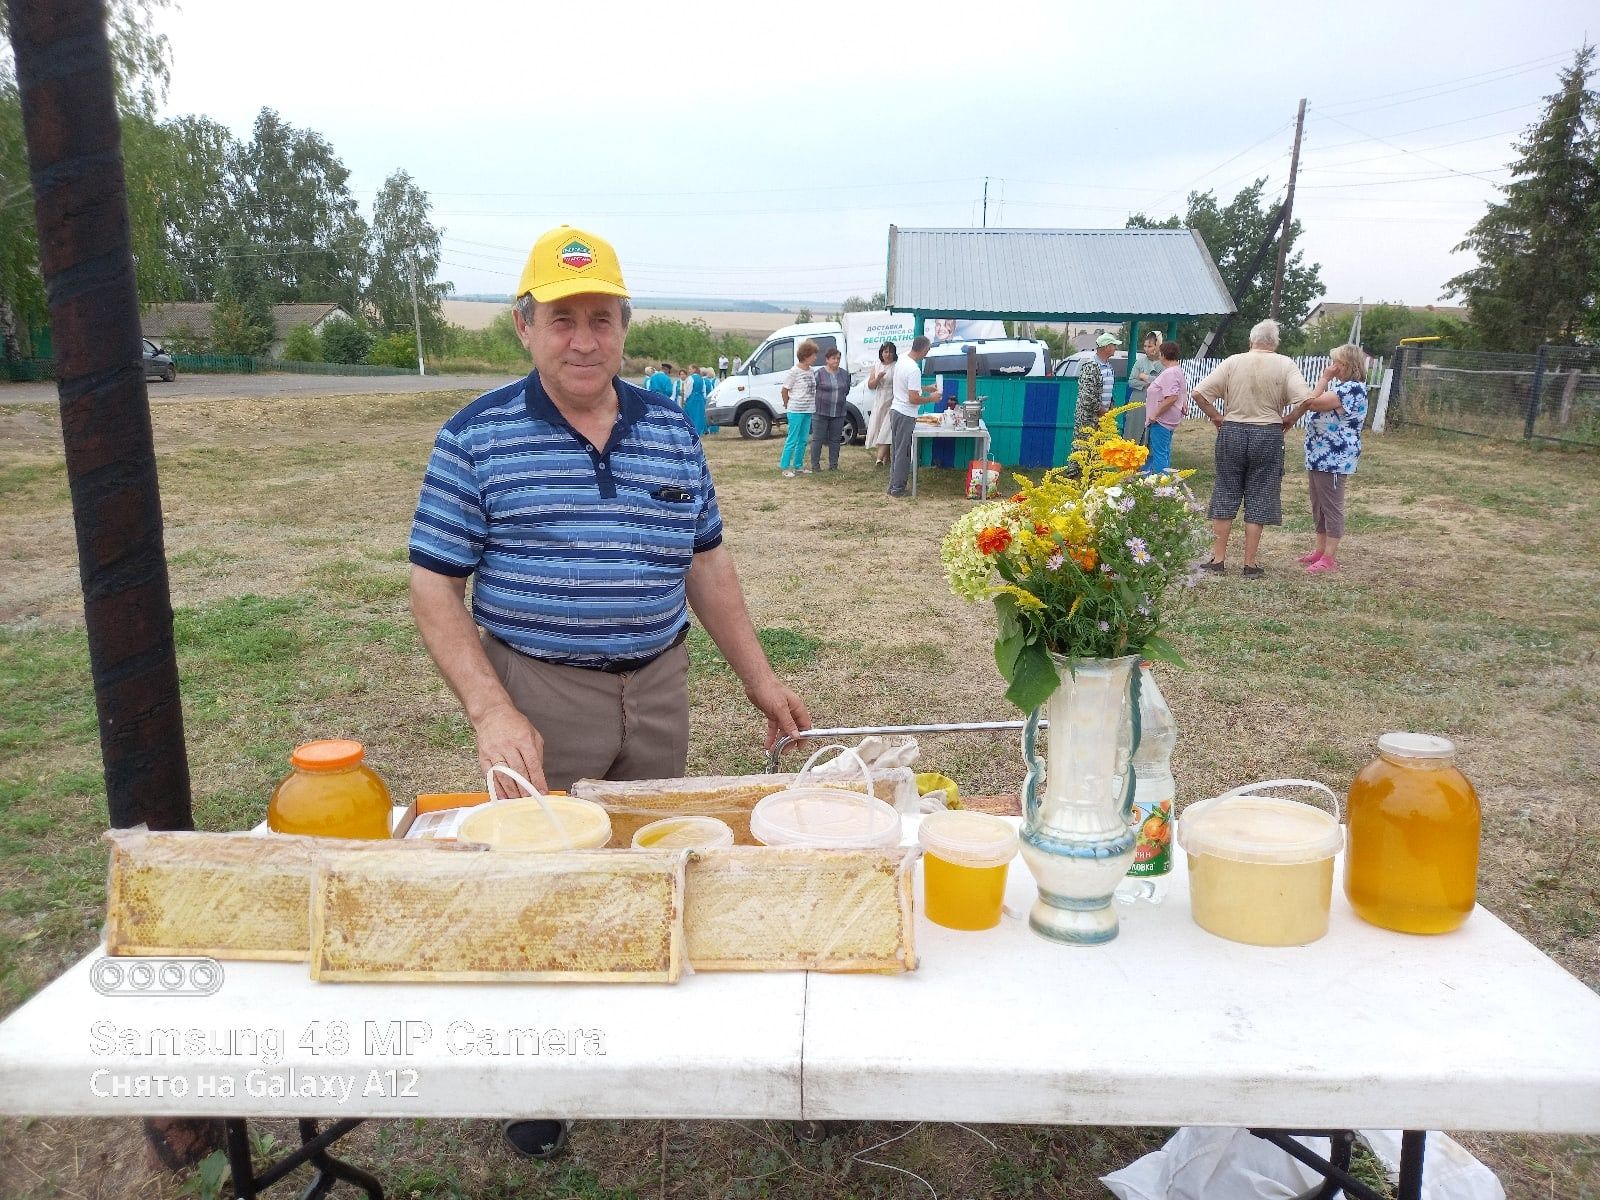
(1105, 352)
(576, 345)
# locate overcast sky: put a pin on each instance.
(759, 150)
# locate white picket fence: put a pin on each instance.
(1311, 367)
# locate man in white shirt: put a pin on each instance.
(722, 366)
(908, 394)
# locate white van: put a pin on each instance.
(752, 397)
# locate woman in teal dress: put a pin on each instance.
(694, 388)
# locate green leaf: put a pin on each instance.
(1005, 610)
(1006, 650)
(1033, 678)
(1161, 650)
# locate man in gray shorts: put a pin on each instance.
(1254, 389)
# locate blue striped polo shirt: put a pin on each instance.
(580, 551)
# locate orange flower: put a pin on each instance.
(994, 539)
(1041, 529)
(1085, 556)
(1124, 455)
(1018, 498)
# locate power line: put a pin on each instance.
(1482, 137)
(1412, 179)
(1361, 105)
(608, 192)
(1184, 191)
(1439, 125)
(1403, 150)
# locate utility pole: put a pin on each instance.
(1288, 210)
(986, 202)
(416, 318)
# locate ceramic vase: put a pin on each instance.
(1078, 799)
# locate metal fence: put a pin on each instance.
(1551, 396)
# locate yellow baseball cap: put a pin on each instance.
(569, 262)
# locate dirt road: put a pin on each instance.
(221, 387)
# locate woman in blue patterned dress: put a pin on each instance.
(1333, 445)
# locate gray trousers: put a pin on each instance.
(829, 432)
(903, 444)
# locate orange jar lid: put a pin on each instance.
(328, 754)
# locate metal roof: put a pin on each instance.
(1054, 273)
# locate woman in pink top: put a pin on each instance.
(1165, 401)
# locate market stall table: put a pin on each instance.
(1475, 1030)
(937, 432)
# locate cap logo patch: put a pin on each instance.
(575, 255)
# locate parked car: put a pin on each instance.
(752, 397)
(158, 363)
(1069, 366)
(996, 356)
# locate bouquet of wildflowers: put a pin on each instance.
(1082, 566)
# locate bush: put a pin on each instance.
(496, 345)
(302, 345)
(393, 350)
(682, 342)
(345, 341)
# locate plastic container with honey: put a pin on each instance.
(825, 818)
(683, 833)
(1412, 862)
(544, 823)
(965, 857)
(1261, 866)
(331, 793)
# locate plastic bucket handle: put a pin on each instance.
(843, 750)
(1286, 783)
(495, 797)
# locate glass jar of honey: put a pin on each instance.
(1411, 862)
(331, 793)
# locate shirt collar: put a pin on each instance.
(630, 406)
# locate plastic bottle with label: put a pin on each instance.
(1154, 793)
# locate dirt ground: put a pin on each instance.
(1466, 605)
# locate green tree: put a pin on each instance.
(803, 316)
(874, 302)
(678, 342)
(139, 59)
(1233, 232)
(302, 345)
(291, 201)
(1538, 247)
(1055, 340)
(345, 341)
(235, 329)
(402, 234)
(194, 203)
(1382, 327)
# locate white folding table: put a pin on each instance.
(1167, 1025)
(926, 432)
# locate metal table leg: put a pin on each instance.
(1413, 1146)
(248, 1183)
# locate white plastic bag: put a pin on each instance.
(1207, 1163)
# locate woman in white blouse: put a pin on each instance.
(880, 382)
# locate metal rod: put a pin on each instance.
(1413, 1153)
(1353, 1187)
(817, 735)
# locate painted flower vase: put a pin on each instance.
(1078, 799)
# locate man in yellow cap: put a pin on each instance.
(583, 509)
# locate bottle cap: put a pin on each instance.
(328, 754)
(1416, 745)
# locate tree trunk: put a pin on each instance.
(69, 113)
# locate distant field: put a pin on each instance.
(476, 314)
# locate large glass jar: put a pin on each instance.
(1411, 863)
(331, 793)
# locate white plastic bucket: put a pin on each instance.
(822, 817)
(1261, 866)
(683, 833)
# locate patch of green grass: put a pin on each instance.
(16, 480)
(356, 581)
(786, 648)
(248, 631)
(202, 558)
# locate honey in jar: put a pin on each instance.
(331, 793)
(1411, 863)
(964, 862)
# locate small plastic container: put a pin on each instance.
(825, 818)
(1412, 862)
(331, 793)
(683, 833)
(1261, 866)
(541, 823)
(965, 857)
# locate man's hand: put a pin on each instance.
(507, 738)
(1216, 419)
(786, 712)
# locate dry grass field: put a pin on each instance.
(1466, 606)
